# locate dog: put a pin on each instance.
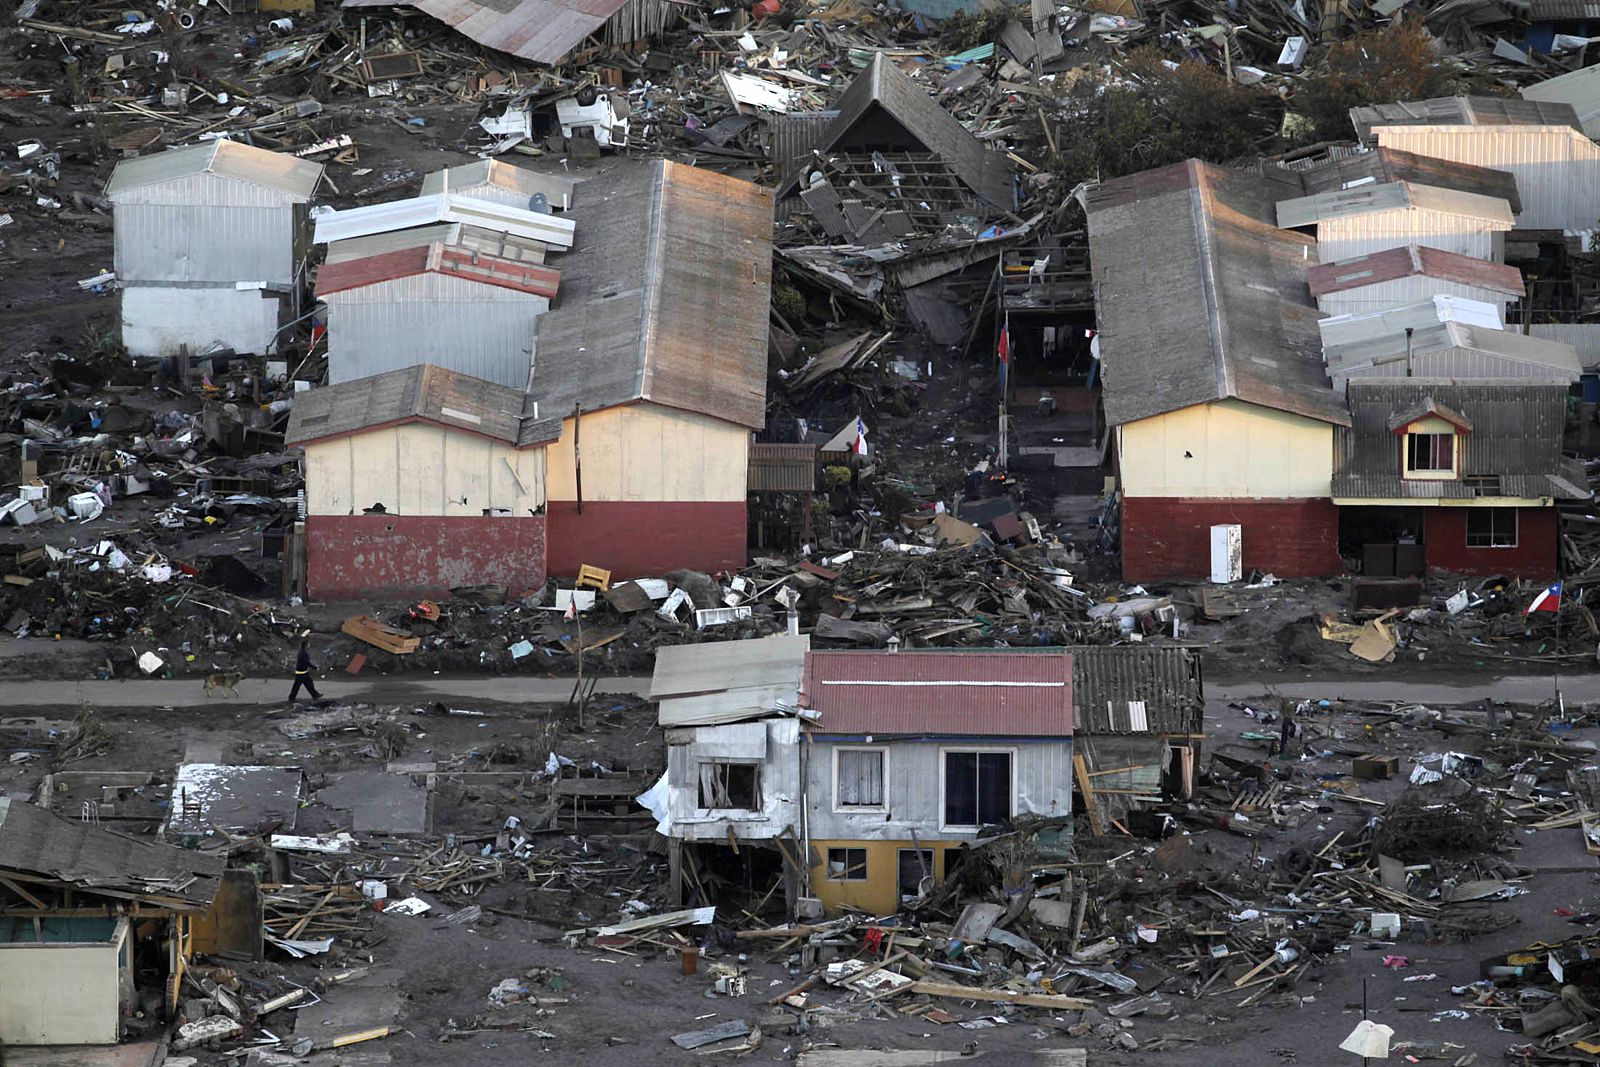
(224, 682)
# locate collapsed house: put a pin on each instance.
(544, 31)
(211, 245)
(94, 926)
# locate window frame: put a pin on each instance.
(755, 765)
(977, 750)
(1516, 528)
(840, 808)
(866, 864)
(1430, 474)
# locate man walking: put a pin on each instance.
(302, 674)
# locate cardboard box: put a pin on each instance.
(1372, 765)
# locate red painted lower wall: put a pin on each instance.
(643, 539)
(1170, 537)
(1444, 539)
(393, 557)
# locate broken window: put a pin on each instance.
(1430, 453)
(977, 788)
(859, 774)
(730, 785)
(847, 865)
(1491, 527)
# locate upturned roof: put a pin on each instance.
(1393, 264)
(437, 258)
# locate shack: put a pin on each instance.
(498, 181)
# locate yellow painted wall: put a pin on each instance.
(880, 893)
(59, 994)
(1234, 450)
(648, 452)
(419, 469)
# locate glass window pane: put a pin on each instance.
(961, 788)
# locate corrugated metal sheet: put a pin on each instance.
(205, 243)
(1403, 292)
(1202, 297)
(783, 468)
(428, 393)
(437, 258)
(1455, 350)
(159, 320)
(791, 137)
(1460, 111)
(1578, 88)
(1166, 681)
(1516, 436)
(728, 681)
(553, 230)
(1392, 197)
(293, 179)
(380, 243)
(773, 744)
(464, 326)
(1392, 165)
(1557, 168)
(1413, 261)
(1584, 337)
(884, 110)
(1361, 235)
(665, 297)
(965, 693)
(501, 183)
(544, 31)
(1563, 10)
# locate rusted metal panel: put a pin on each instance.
(965, 693)
(438, 258)
(355, 557)
(1395, 263)
(1166, 682)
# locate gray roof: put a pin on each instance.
(1455, 351)
(557, 188)
(791, 138)
(1392, 196)
(41, 844)
(228, 159)
(728, 681)
(1382, 165)
(883, 109)
(1462, 111)
(1105, 678)
(664, 297)
(1578, 88)
(424, 393)
(1516, 436)
(1202, 297)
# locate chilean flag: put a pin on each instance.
(1004, 348)
(1547, 600)
(860, 447)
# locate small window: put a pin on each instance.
(735, 786)
(977, 788)
(858, 778)
(1491, 527)
(847, 865)
(1430, 453)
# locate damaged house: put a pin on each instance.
(211, 243)
(501, 183)
(544, 31)
(94, 926)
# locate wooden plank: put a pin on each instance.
(1081, 771)
(1002, 996)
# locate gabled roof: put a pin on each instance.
(226, 159)
(1456, 352)
(1462, 111)
(884, 109)
(1425, 408)
(728, 681)
(1393, 264)
(437, 258)
(664, 297)
(1382, 165)
(1579, 88)
(556, 188)
(541, 30)
(967, 693)
(1202, 297)
(1393, 196)
(554, 230)
(424, 393)
(42, 844)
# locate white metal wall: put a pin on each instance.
(1378, 231)
(1415, 289)
(205, 229)
(1556, 167)
(773, 743)
(469, 327)
(156, 320)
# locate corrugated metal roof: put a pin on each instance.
(553, 230)
(227, 159)
(791, 137)
(1202, 297)
(1563, 10)
(665, 297)
(782, 468)
(1579, 88)
(883, 109)
(1456, 351)
(424, 393)
(1106, 679)
(1395, 263)
(518, 181)
(1393, 165)
(1462, 111)
(960, 693)
(464, 263)
(1584, 337)
(1516, 436)
(728, 681)
(543, 31)
(39, 843)
(1340, 330)
(476, 238)
(1393, 196)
